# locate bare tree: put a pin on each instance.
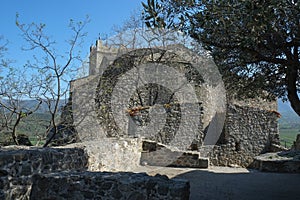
(53, 70)
(3, 49)
(133, 34)
(14, 88)
(83, 70)
(3, 44)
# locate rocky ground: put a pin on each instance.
(233, 183)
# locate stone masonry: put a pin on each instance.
(248, 132)
(250, 126)
(18, 164)
(115, 138)
(72, 172)
(106, 186)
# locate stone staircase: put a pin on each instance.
(157, 154)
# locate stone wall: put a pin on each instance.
(92, 94)
(18, 164)
(173, 108)
(250, 129)
(106, 186)
(250, 124)
(111, 154)
(60, 173)
(248, 132)
(83, 92)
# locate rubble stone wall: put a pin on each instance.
(62, 173)
(17, 165)
(250, 124)
(248, 132)
(107, 185)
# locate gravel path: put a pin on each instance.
(233, 183)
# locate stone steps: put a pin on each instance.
(156, 154)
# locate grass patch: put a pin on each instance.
(288, 136)
(34, 126)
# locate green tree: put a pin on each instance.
(254, 42)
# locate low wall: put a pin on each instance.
(17, 164)
(61, 173)
(111, 154)
(25, 161)
(106, 185)
(285, 161)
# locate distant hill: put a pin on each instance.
(289, 119)
(289, 124)
(31, 104)
(284, 106)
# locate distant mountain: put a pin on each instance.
(289, 119)
(31, 104)
(284, 106)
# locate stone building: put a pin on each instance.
(124, 97)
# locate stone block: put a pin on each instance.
(288, 161)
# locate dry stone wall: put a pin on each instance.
(107, 186)
(17, 165)
(250, 124)
(61, 173)
(248, 132)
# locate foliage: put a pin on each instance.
(255, 43)
(288, 136)
(33, 126)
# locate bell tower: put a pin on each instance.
(101, 56)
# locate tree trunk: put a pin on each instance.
(291, 83)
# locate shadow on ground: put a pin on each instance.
(242, 185)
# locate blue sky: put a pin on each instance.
(56, 15)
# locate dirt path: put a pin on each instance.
(233, 183)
